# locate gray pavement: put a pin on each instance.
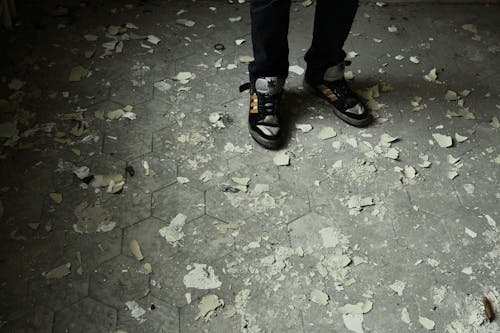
(171, 219)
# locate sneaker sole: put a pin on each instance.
(354, 122)
(268, 144)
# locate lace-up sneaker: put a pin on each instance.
(264, 118)
(346, 104)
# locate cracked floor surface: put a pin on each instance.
(382, 218)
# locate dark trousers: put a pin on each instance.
(270, 20)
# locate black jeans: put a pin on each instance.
(270, 20)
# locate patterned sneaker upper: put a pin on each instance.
(264, 106)
(338, 92)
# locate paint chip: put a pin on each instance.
(444, 141)
(426, 323)
(282, 158)
(326, 133)
(319, 297)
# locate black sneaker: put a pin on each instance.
(346, 104)
(264, 118)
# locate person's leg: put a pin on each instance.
(325, 61)
(270, 20)
(332, 23)
(268, 71)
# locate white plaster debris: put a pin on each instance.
(240, 41)
(125, 112)
(461, 112)
(495, 123)
(352, 54)
(451, 96)
(460, 138)
(438, 295)
(444, 141)
(405, 316)
(467, 270)
(162, 86)
(173, 233)
(304, 128)
(414, 60)
(260, 189)
(492, 223)
(399, 57)
(452, 175)
(185, 22)
(331, 237)
(452, 160)
(296, 69)
(153, 39)
(392, 29)
(356, 203)
(431, 76)
(244, 59)
(398, 287)
(234, 19)
(307, 3)
(136, 311)
(470, 315)
(59, 272)
(282, 158)
(201, 276)
(183, 77)
(352, 315)
(408, 171)
(182, 180)
(277, 262)
(145, 166)
(326, 133)
(208, 306)
(426, 323)
(319, 297)
(471, 233)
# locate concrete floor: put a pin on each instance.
(264, 248)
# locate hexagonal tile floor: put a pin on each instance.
(134, 201)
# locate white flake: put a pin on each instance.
(426, 323)
(136, 311)
(392, 28)
(405, 316)
(319, 297)
(490, 221)
(471, 233)
(182, 180)
(173, 232)
(201, 277)
(185, 22)
(153, 39)
(207, 306)
(398, 287)
(414, 60)
(282, 158)
(304, 127)
(467, 270)
(326, 133)
(444, 141)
